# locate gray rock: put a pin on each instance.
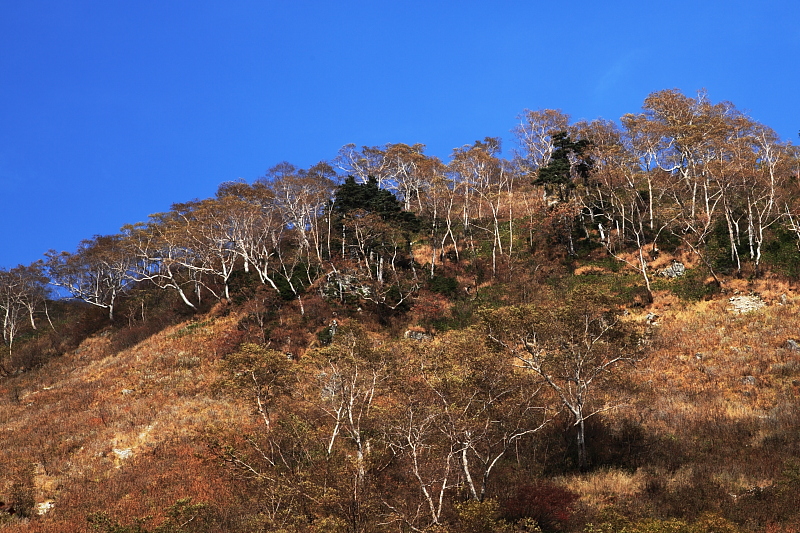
(793, 345)
(749, 380)
(338, 284)
(416, 335)
(675, 270)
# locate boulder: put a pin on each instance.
(339, 284)
(676, 269)
(416, 335)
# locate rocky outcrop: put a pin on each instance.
(746, 304)
(339, 284)
(676, 269)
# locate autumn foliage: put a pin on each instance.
(391, 342)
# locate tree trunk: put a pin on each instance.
(583, 460)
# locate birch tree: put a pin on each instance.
(486, 182)
(23, 292)
(573, 349)
(164, 257)
(363, 163)
(534, 134)
(351, 375)
(97, 273)
(485, 405)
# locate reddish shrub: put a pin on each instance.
(547, 503)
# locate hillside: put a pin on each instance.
(709, 424)
(600, 334)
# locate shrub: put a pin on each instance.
(481, 517)
(180, 515)
(550, 505)
(444, 285)
(22, 493)
(708, 523)
(690, 287)
(781, 254)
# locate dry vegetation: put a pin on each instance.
(710, 420)
(117, 431)
(473, 346)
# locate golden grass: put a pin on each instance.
(605, 487)
(714, 372)
(421, 253)
(589, 269)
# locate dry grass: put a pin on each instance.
(723, 383)
(605, 487)
(92, 415)
(118, 431)
(589, 269)
(421, 253)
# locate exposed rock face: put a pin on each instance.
(339, 284)
(745, 304)
(416, 335)
(793, 345)
(675, 270)
(121, 455)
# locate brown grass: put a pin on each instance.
(716, 397)
(91, 418)
(605, 487)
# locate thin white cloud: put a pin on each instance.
(617, 75)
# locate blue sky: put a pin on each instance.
(111, 111)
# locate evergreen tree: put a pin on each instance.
(568, 162)
(371, 199)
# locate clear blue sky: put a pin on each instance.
(113, 110)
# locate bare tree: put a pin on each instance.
(369, 161)
(572, 349)
(257, 228)
(23, 292)
(416, 440)
(97, 273)
(405, 165)
(350, 374)
(764, 193)
(164, 257)
(619, 198)
(211, 233)
(486, 182)
(534, 135)
(485, 406)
